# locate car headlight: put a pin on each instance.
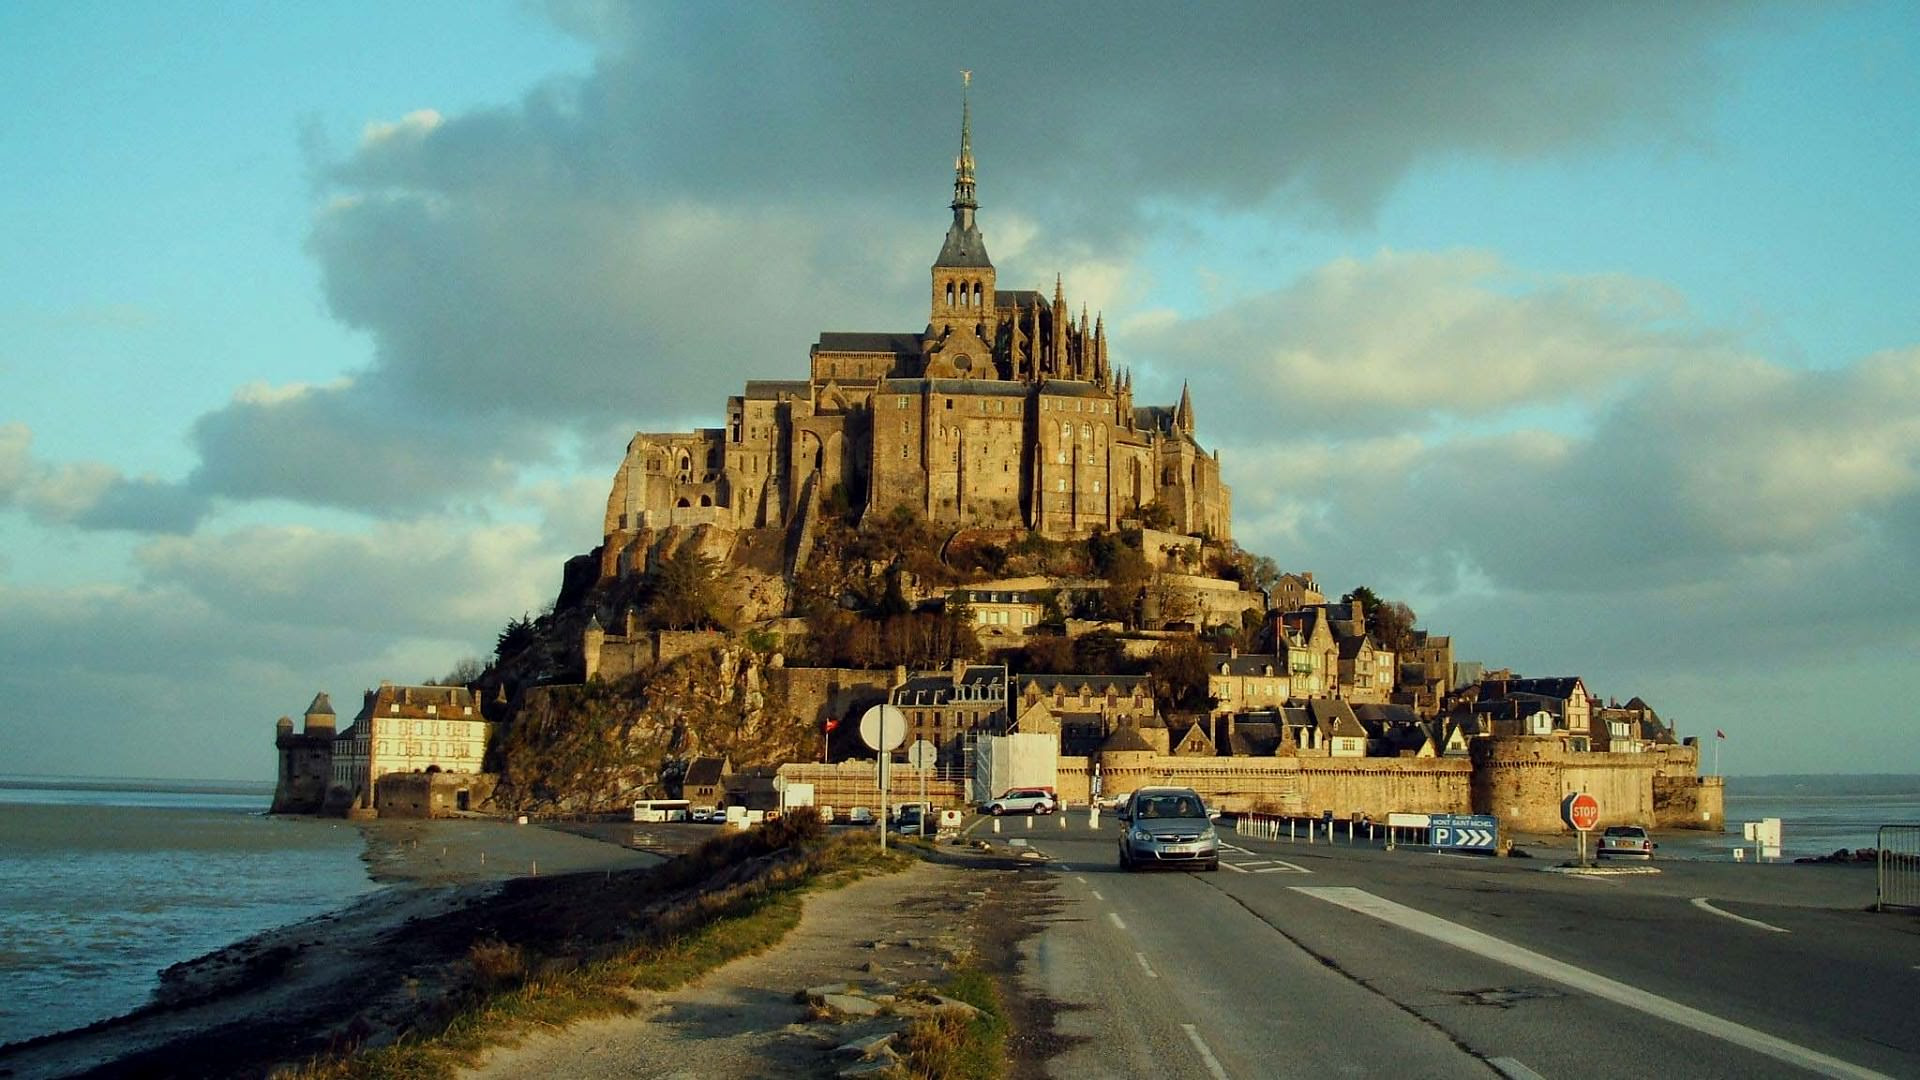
(1209, 835)
(1142, 835)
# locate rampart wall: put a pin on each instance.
(431, 795)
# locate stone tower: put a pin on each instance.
(963, 323)
(306, 759)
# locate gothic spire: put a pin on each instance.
(964, 245)
(1183, 415)
(963, 165)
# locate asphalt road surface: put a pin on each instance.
(1298, 960)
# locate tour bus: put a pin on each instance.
(657, 810)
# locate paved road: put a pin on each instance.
(1313, 961)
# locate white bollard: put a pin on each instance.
(1063, 820)
(1093, 816)
(1029, 822)
(996, 825)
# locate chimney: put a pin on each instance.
(1233, 652)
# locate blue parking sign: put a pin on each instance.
(1464, 832)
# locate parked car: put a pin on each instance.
(915, 820)
(1167, 826)
(707, 815)
(860, 815)
(826, 814)
(1022, 801)
(1626, 841)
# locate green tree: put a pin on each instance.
(515, 639)
(686, 593)
(1389, 622)
(1179, 671)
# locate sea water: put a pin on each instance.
(103, 884)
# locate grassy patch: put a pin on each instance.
(736, 895)
(948, 1046)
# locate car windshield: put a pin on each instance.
(1624, 830)
(1170, 806)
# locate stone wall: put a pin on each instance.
(1689, 802)
(431, 795)
(854, 783)
(819, 694)
(1523, 780)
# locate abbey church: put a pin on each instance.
(1003, 413)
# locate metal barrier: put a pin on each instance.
(1898, 875)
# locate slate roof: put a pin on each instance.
(321, 706)
(1072, 388)
(1557, 687)
(939, 687)
(1254, 740)
(1153, 417)
(1097, 683)
(772, 389)
(1250, 664)
(704, 772)
(864, 341)
(963, 247)
(1126, 737)
(1386, 714)
(953, 387)
(1026, 298)
(1335, 717)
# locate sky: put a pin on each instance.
(1589, 331)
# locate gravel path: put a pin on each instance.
(742, 1020)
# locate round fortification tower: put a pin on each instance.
(1518, 779)
(319, 719)
(1126, 761)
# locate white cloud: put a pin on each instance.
(414, 125)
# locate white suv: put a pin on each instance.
(1022, 801)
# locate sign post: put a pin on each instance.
(922, 755)
(1581, 812)
(883, 728)
(1463, 832)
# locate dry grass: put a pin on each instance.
(949, 1046)
(736, 895)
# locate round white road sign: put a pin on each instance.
(883, 727)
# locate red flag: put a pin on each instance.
(831, 724)
(1718, 734)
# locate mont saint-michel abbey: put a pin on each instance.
(1004, 412)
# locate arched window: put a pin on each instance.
(979, 294)
(706, 500)
(949, 294)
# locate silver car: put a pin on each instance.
(1167, 826)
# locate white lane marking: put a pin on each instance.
(1295, 867)
(1206, 1056)
(1230, 847)
(1232, 866)
(1096, 894)
(1144, 966)
(1116, 920)
(1600, 986)
(1512, 1069)
(1701, 903)
(1080, 879)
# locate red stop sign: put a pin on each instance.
(1580, 811)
